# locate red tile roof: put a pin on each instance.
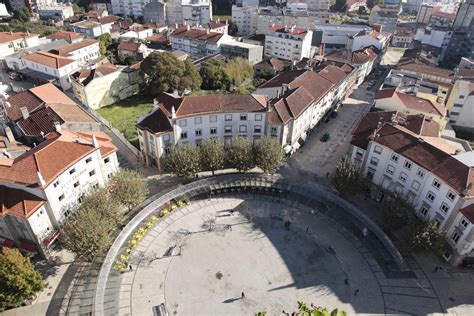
(199, 34)
(314, 83)
(357, 57)
(290, 106)
(283, 78)
(18, 203)
(412, 102)
(156, 122)
(287, 30)
(68, 36)
(21, 99)
(65, 50)
(333, 73)
(6, 37)
(41, 120)
(468, 212)
(128, 46)
(48, 59)
(420, 68)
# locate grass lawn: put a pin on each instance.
(125, 114)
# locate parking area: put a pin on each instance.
(16, 85)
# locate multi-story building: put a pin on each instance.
(403, 36)
(82, 52)
(44, 66)
(245, 18)
(56, 11)
(392, 99)
(252, 53)
(404, 154)
(94, 27)
(385, 15)
(31, 5)
(461, 100)
(198, 42)
(438, 37)
(13, 42)
(462, 39)
(466, 63)
(70, 37)
(41, 188)
(105, 85)
(288, 43)
(363, 61)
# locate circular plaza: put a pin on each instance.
(244, 244)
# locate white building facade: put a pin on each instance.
(288, 43)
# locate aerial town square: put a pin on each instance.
(236, 157)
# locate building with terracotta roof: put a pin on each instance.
(36, 112)
(198, 42)
(288, 43)
(404, 154)
(385, 15)
(48, 67)
(392, 99)
(93, 28)
(441, 76)
(55, 11)
(41, 188)
(70, 37)
(135, 32)
(139, 50)
(105, 84)
(271, 67)
(82, 52)
(13, 42)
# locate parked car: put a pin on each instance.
(324, 138)
(16, 76)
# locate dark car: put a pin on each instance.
(334, 114)
(324, 138)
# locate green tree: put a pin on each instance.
(348, 180)
(164, 73)
(396, 211)
(427, 237)
(18, 279)
(239, 70)
(183, 160)
(22, 14)
(232, 29)
(104, 41)
(128, 187)
(123, 59)
(305, 310)
(191, 79)
(240, 154)
(77, 9)
(212, 155)
(269, 155)
(214, 75)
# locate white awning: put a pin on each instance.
(287, 149)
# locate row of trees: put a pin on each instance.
(395, 211)
(186, 160)
(88, 231)
(310, 310)
(218, 74)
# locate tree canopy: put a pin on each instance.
(212, 155)
(128, 187)
(22, 14)
(218, 74)
(183, 160)
(18, 279)
(348, 180)
(269, 155)
(240, 154)
(165, 73)
(104, 41)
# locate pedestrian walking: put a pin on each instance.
(327, 175)
(130, 267)
(356, 292)
(435, 269)
(242, 296)
(307, 229)
(365, 232)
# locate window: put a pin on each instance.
(213, 118)
(228, 117)
(436, 184)
(451, 196)
(106, 160)
(374, 161)
(258, 117)
(420, 173)
(274, 130)
(91, 173)
(76, 184)
(72, 170)
(444, 207)
(464, 222)
(390, 169)
(184, 135)
(198, 132)
(403, 177)
(166, 138)
(243, 128)
(55, 184)
(243, 117)
(394, 158)
(430, 196)
(415, 185)
(407, 165)
(377, 149)
(455, 237)
(61, 197)
(182, 123)
(228, 129)
(167, 150)
(257, 129)
(213, 130)
(370, 174)
(437, 222)
(88, 159)
(197, 120)
(424, 210)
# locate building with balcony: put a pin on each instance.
(198, 42)
(13, 42)
(252, 53)
(288, 43)
(404, 154)
(385, 15)
(56, 11)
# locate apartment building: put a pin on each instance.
(461, 100)
(12, 42)
(288, 43)
(269, 16)
(94, 27)
(70, 37)
(385, 15)
(56, 11)
(82, 52)
(403, 36)
(363, 61)
(404, 154)
(245, 18)
(252, 53)
(198, 42)
(41, 188)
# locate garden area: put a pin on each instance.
(124, 115)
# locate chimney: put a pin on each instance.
(155, 104)
(57, 126)
(9, 134)
(188, 27)
(41, 181)
(95, 142)
(173, 113)
(24, 112)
